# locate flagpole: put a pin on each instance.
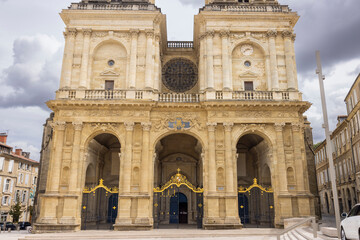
(329, 146)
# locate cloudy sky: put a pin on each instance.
(31, 47)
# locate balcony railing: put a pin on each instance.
(178, 97)
(177, 44)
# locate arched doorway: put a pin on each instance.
(100, 194)
(178, 160)
(256, 199)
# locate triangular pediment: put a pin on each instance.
(109, 73)
(249, 74)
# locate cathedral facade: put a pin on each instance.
(147, 132)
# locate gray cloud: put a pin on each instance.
(34, 75)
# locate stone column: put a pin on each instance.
(133, 57)
(55, 169)
(287, 35)
(145, 158)
(149, 60)
(273, 59)
(212, 158)
(85, 58)
(75, 158)
(228, 158)
(128, 157)
(268, 72)
(281, 166)
(210, 61)
(202, 68)
(227, 84)
(299, 167)
(65, 81)
(157, 63)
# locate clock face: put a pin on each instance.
(247, 49)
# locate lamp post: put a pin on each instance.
(329, 147)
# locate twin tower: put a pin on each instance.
(149, 132)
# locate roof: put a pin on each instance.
(24, 158)
(4, 145)
(357, 78)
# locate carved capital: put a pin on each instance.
(146, 126)
(210, 34)
(149, 33)
(296, 127)
(157, 37)
(228, 126)
(211, 126)
(134, 33)
(279, 127)
(129, 126)
(70, 32)
(271, 33)
(77, 126)
(287, 34)
(224, 34)
(58, 126)
(87, 32)
(293, 37)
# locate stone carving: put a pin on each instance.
(224, 34)
(211, 126)
(163, 122)
(146, 126)
(228, 126)
(99, 34)
(104, 126)
(271, 33)
(77, 126)
(287, 34)
(279, 126)
(129, 126)
(59, 126)
(252, 127)
(296, 126)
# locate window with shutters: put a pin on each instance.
(26, 179)
(11, 166)
(5, 200)
(2, 160)
(6, 185)
(23, 199)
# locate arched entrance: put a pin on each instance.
(178, 181)
(255, 198)
(100, 194)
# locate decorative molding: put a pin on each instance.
(279, 126)
(287, 34)
(211, 126)
(210, 34)
(271, 33)
(77, 126)
(149, 33)
(129, 126)
(87, 32)
(104, 126)
(146, 126)
(228, 126)
(59, 126)
(134, 32)
(296, 127)
(225, 34)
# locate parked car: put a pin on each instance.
(24, 225)
(350, 226)
(7, 225)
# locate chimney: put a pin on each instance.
(3, 137)
(18, 152)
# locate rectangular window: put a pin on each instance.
(4, 200)
(249, 86)
(26, 179)
(109, 85)
(23, 200)
(6, 185)
(2, 160)
(11, 166)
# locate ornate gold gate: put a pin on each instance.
(99, 206)
(256, 205)
(171, 190)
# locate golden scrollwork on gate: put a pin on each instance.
(256, 185)
(178, 180)
(101, 185)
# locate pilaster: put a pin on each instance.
(133, 57)
(149, 60)
(85, 58)
(227, 83)
(210, 61)
(287, 35)
(65, 80)
(273, 59)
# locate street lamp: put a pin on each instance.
(329, 147)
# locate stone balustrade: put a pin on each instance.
(180, 44)
(247, 8)
(178, 97)
(119, 6)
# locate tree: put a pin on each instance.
(15, 210)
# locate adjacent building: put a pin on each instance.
(148, 132)
(345, 141)
(18, 179)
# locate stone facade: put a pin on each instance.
(133, 109)
(18, 179)
(346, 158)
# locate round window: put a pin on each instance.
(180, 75)
(247, 64)
(111, 63)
